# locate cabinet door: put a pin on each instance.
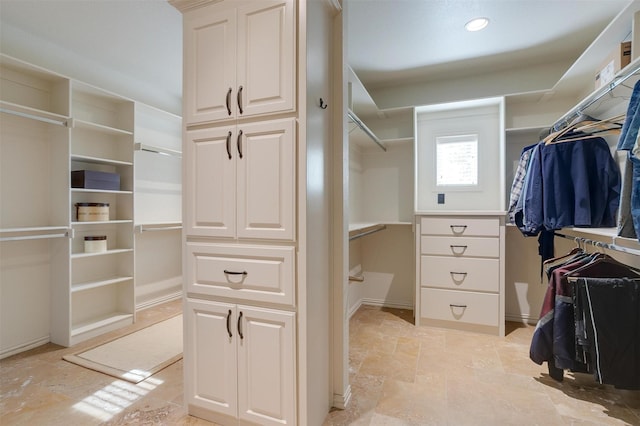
(266, 57)
(210, 64)
(266, 180)
(266, 366)
(210, 357)
(210, 182)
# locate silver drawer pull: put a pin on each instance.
(458, 229)
(457, 306)
(458, 277)
(456, 249)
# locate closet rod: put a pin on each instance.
(368, 231)
(353, 117)
(148, 228)
(597, 243)
(34, 237)
(157, 150)
(598, 94)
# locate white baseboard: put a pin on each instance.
(24, 347)
(160, 300)
(342, 401)
(379, 303)
(523, 319)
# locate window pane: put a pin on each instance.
(457, 160)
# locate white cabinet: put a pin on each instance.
(239, 60)
(240, 180)
(460, 271)
(240, 363)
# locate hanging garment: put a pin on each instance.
(581, 184)
(611, 311)
(629, 215)
(518, 181)
(554, 339)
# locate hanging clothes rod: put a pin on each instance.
(157, 150)
(34, 237)
(597, 95)
(353, 117)
(594, 243)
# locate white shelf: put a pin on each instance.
(102, 253)
(103, 191)
(96, 284)
(98, 160)
(100, 322)
(102, 222)
(158, 226)
(33, 113)
(81, 124)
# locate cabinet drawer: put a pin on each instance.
(460, 273)
(460, 246)
(460, 306)
(261, 274)
(460, 226)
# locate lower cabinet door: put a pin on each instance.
(266, 366)
(240, 364)
(210, 358)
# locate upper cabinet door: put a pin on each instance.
(239, 60)
(210, 64)
(266, 180)
(266, 58)
(210, 174)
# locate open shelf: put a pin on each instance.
(101, 283)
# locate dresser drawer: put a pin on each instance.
(460, 226)
(460, 246)
(460, 306)
(255, 273)
(460, 273)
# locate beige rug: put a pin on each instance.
(138, 355)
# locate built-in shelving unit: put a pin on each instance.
(53, 125)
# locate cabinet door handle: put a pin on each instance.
(235, 272)
(240, 326)
(229, 145)
(457, 306)
(229, 323)
(239, 143)
(461, 228)
(454, 247)
(229, 101)
(240, 99)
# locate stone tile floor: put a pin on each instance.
(400, 375)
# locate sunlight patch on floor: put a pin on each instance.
(114, 398)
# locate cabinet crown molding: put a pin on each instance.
(185, 5)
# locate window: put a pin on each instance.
(457, 160)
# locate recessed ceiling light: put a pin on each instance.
(476, 24)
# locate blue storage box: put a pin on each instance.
(92, 179)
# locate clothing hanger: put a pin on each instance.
(592, 135)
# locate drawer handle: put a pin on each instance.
(235, 272)
(228, 323)
(458, 229)
(458, 279)
(457, 306)
(461, 251)
(239, 143)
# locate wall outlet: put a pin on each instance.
(440, 198)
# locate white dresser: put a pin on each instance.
(460, 270)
